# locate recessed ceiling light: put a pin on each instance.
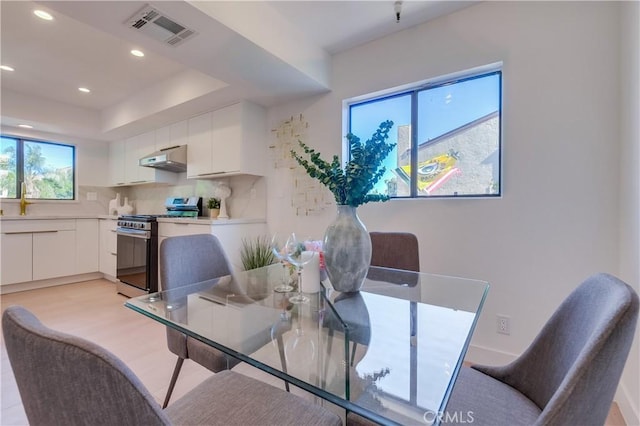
(43, 15)
(138, 53)
(25, 126)
(6, 68)
(84, 89)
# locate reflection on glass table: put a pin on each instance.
(390, 353)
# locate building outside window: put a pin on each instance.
(447, 136)
(47, 169)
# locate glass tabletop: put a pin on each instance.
(390, 352)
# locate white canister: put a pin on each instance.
(311, 272)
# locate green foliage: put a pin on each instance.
(352, 185)
(42, 180)
(213, 203)
(256, 253)
(8, 182)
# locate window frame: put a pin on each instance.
(20, 142)
(413, 90)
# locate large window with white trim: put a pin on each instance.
(447, 136)
(47, 169)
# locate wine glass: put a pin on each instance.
(294, 249)
(278, 252)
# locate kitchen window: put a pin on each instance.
(447, 136)
(46, 168)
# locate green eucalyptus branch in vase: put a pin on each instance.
(351, 185)
(347, 246)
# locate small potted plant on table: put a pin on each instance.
(213, 204)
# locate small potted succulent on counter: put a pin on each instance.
(213, 204)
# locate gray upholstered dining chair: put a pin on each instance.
(187, 260)
(569, 374)
(397, 250)
(67, 380)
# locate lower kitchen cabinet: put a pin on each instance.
(54, 254)
(87, 247)
(17, 257)
(108, 247)
(42, 249)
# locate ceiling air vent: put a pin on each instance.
(159, 26)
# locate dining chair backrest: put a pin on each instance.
(186, 260)
(572, 368)
(397, 250)
(66, 380)
(190, 259)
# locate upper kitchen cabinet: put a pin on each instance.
(200, 146)
(116, 163)
(229, 141)
(173, 135)
(124, 159)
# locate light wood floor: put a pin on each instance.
(93, 310)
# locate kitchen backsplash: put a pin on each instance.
(247, 200)
(97, 204)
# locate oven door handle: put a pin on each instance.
(135, 233)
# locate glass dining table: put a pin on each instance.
(389, 353)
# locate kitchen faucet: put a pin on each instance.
(23, 200)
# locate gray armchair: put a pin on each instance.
(397, 250)
(188, 260)
(67, 380)
(569, 374)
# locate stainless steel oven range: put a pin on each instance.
(137, 260)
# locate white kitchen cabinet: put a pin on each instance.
(41, 249)
(146, 146)
(108, 247)
(87, 246)
(17, 257)
(228, 141)
(124, 157)
(132, 154)
(238, 139)
(173, 135)
(116, 163)
(199, 147)
(54, 254)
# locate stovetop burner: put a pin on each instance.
(139, 217)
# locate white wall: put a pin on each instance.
(557, 222)
(630, 187)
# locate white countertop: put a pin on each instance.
(50, 217)
(208, 221)
(198, 221)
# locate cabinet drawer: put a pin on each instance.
(176, 229)
(37, 225)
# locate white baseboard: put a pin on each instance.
(628, 408)
(486, 356)
(32, 285)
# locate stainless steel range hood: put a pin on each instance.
(173, 159)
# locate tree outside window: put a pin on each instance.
(47, 169)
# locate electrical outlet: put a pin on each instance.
(503, 325)
(92, 196)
